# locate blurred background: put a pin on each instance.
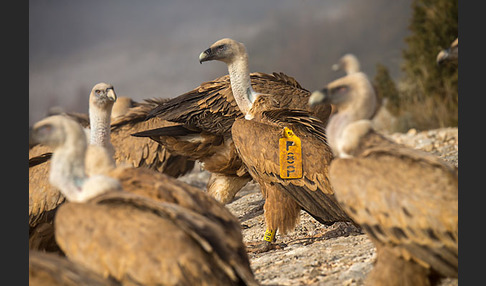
(150, 48)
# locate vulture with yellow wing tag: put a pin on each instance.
(257, 139)
(205, 116)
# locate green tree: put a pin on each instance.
(385, 88)
(430, 91)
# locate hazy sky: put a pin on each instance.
(150, 48)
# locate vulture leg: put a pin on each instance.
(281, 213)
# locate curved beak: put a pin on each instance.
(335, 67)
(319, 97)
(205, 56)
(111, 95)
(442, 56)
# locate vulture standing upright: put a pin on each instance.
(205, 116)
(136, 239)
(405, 199)
(257, 139)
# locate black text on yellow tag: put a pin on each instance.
(290, 155)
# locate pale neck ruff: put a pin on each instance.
(67, 169)
(241, 83)
(100, 126)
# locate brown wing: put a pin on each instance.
(34, 161)
(258, 146)
(404, 198)
(160, 187)
(136, 239)
(215, 151)
(143, 152)
(43, 197)
(289, 93)
(211, 106)
(44, 200)
(47, 269)
(39, 154)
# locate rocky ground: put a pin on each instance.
(314, 254)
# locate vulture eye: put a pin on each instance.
(45, 129)
(221, 48)
(340, 89)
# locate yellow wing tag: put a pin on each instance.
(290, 155)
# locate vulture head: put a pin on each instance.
(225, 50)
(67, 170)
(348, 63)
(352, 92)
(450, 54)
(103, 95)
(51, 131)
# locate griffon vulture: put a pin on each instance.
(44, 198)
(450, 54)
(134, 238)
(256, 138)
(406, 200)
(205, 116)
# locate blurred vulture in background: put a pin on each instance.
(449, 55)
(44, 198)
(406, 200)
(348, 63)
(136, 225)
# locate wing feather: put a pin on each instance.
(403, 197)
(182, 244)
(257, 145)
(143, 152)
(211, 107)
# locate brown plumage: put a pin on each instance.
(206, 115)
(449, 55)
(257, 142)
(128, 116)
(142, 152)
(47, 269)
(256, 139)
(43, 200)
(406, 200)
(137, 225)
(138, 152)
(122, 106)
